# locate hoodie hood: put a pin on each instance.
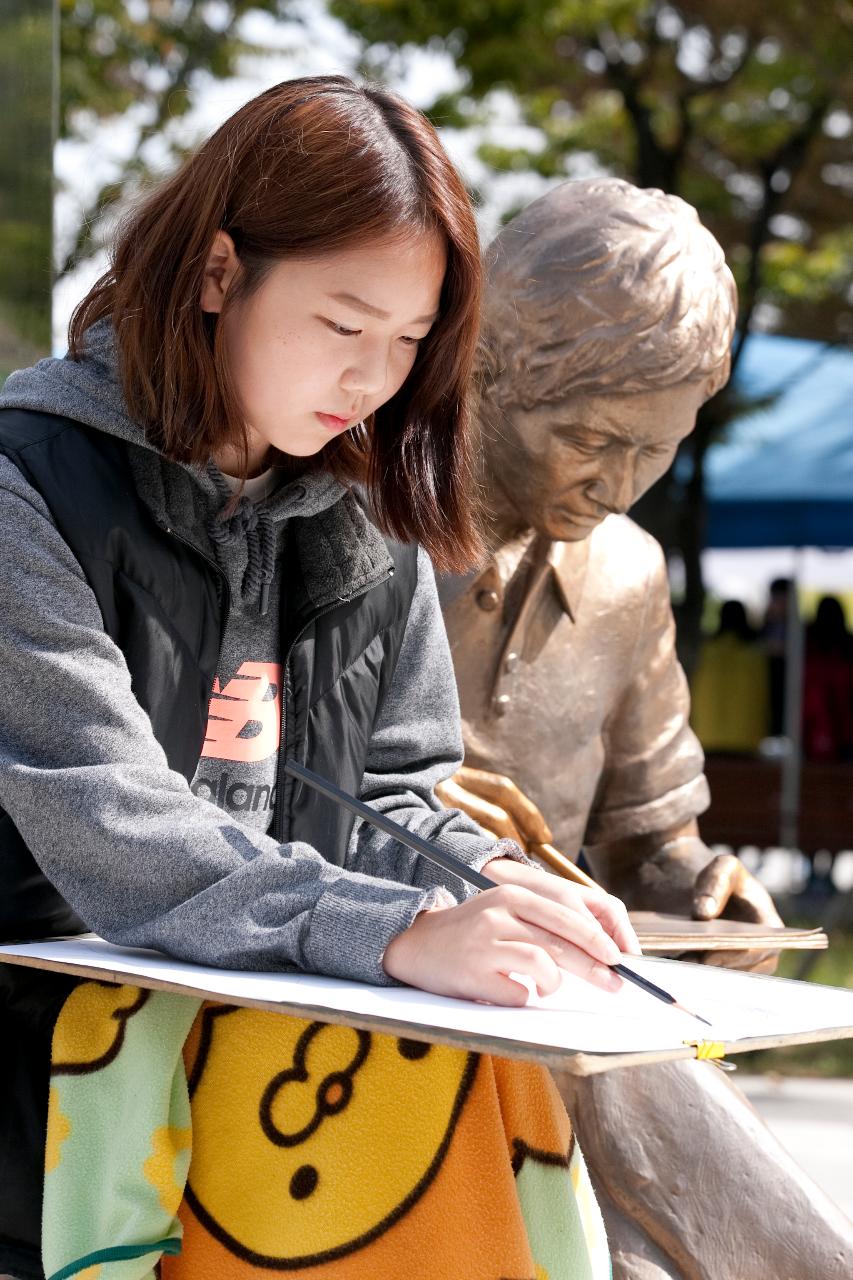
(191, 499)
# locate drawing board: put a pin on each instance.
(579, 1028)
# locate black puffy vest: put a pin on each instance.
(158, 595)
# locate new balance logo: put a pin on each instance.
(236, 796)
(244, 718)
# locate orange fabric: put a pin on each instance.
(376, 1156)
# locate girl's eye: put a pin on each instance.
(344, 332)
(341, 329)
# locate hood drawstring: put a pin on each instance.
(255, 524)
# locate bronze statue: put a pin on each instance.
(608, 320)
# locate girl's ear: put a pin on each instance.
(220, 269)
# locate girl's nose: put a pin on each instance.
(368, 375)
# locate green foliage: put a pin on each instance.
(149, 55)
(26, 197)
(799, 273)
(722, 102)
(742, 107)
(111, 48)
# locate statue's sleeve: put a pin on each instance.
(653, 777)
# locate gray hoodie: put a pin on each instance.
(145, 858)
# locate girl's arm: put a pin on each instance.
(123, 838)
(147, 863)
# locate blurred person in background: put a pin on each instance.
(773, 638)
(730, 692)
(828, 685)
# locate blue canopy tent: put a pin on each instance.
(783, 477)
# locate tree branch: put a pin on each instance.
(691, 89)
(789, 155)
(197, 56)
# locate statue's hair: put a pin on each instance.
(599, 286)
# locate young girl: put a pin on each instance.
(217, 515)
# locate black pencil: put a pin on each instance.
(448, 861)
(653, 990)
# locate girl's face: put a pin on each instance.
(323, 343)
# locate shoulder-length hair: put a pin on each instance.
(311, 166)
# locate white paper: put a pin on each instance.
(577, 1018)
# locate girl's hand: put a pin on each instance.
(533, 924)
(610, 911)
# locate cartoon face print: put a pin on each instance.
(91, 1027)
(331, 1133)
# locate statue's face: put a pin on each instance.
(565, 467)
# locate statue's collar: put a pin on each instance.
(569, 560)
(564, 563)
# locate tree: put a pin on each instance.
(742, 108)
(26, 107)
(144, 57)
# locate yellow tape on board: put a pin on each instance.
(706, 1049)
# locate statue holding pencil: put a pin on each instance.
(608, 320)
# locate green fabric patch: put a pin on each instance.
(563, 1221)
(119, 1133)
(120, 1254)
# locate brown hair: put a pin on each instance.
(310, 166)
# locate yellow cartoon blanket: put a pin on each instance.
(317, 1149)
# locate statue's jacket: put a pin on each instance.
(569, 683)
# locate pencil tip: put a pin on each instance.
(691, 1014)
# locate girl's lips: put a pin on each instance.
(332, 423)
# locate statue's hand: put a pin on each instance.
(496, 803)
(725, 886)
(679, 876)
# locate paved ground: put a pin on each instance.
(813, 1119)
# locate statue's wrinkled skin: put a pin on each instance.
(608, 320)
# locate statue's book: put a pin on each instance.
(579, 1028)
(672, 935)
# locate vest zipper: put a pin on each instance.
(224, 583)
(278, 819)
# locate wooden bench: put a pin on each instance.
(745, 794)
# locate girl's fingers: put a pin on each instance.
(572, 896)
(607, 916)
(612, 914)
(497, 988)
(567, 956)
(580, 928)
(531, 960)
(553, 887)
(470, 949)
(580, 965)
